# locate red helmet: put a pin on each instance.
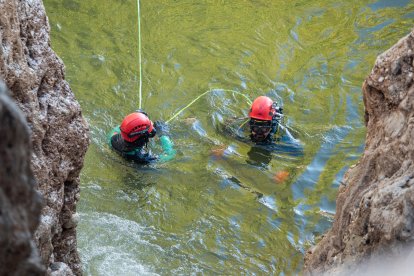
(135, 125)
(262, 109)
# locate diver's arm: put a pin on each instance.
(166, 143)
(116, 130)
(168, 149)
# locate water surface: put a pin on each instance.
(220, 207)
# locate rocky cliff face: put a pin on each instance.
(375, 205)
(19, 203)
(35, 76)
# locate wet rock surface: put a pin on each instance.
(375, 205)
(59, 134)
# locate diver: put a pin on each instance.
(264, 128)
(131, 138)
(265, 117)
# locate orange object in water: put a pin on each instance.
(218, 152)
(281, 176)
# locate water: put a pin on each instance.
(222, 206)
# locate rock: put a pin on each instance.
(20, 204)
(375, 208)
(59, 134)
(396, 67)
(72, 221)
(60, 269)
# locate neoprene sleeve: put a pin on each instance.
(167, 147)
(114, 131)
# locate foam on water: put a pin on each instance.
(99, 252)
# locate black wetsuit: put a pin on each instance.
(137, 151)
(132, 151)
(278, 140)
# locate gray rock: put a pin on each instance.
(60, 269)
(20, 204)
(59, 134)
(375, 208)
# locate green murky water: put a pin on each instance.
(218, 207)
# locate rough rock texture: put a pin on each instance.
(35, 76)
(19, 203)
(375, 205)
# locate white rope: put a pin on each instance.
(139, 56)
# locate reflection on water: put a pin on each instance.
(381, 4)
(259, 156)
(224, 205)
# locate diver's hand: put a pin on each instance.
(161, 128)
(280, 110)
(279, 113)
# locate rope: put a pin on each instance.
(139, 56)
(140, 75)
(193, 101)
(201, 95)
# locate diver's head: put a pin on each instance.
(259, 130)
(262, 119)
(137, 126)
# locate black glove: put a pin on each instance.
(280, 110)
(161, 128)
(279, 113)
